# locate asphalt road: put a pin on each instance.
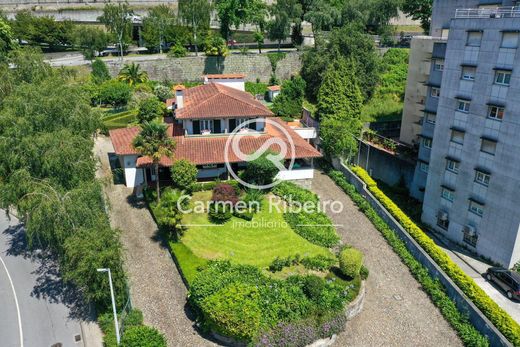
(32, 308)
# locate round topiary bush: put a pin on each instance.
(184, 174)
(350, 262)
(142, 336)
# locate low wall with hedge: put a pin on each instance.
(487, 317)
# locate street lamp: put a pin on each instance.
(118, 338)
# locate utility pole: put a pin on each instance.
(116, 323)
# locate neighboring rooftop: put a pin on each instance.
(225, 76)
(274, 88)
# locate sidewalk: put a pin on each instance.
(475, 268)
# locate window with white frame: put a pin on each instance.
(488, 146)
(509, 40)
(435, 92)
(474, 38)
(448, 194)
(503, 77)
(496, 112)
(457, 136)
(424, 167)
(482, 177)
(452, 165)
(438, 65)
(463, 105)
(476, 208)
(427, 142)
(468, 73)
(206, 125)
(430, 117)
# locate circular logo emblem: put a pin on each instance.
(277, 149)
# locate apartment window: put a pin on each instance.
(496, 112)
(423, 167)
(463, 105)
(509, 40)
(430, 117)
(470, 235)
(438, 65)
(468, 73)
(447, 194)
(442, 220)
(482, 177)
(476, 208)
(427, 142)
(488, 146)
(457, 136)
(474, 38)
(452, 165)
(206, 125)
(435, 92)
(503, 77)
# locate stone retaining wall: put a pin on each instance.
(191, 69)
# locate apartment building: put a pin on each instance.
(468, 169)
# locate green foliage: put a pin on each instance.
(117, 20)
(169, 210)
(420, 10)
(350, 261)
(340, 136)
(290, 100)
(159, 28)
(142, 336)
(315, 227)
(278, 28)
(216, 46)
(162, 92)
(188, 262)
(235, 13)
(395, 71)
(292, 192)
(363, 272)
(37, 30)
(458, 320)
(274, 58)
(90, 40)
(262, 170)
(7, 40)
(127, 319)
(339, 96)
(256, 88)
(99, 72)
(319, 262)
(150, 109)
(113, 92)
(196, 14)
(132, 74)
(177, 51)
(184, 174)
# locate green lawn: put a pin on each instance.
(113, 119)
(255, 245)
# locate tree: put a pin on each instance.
(89, 40)
(100, 71)
(7, 41)
(262, 170)
(196, 14)
(184, 174)
(117, 19)
(156, 24)
(216, 46)
(38, 30)
(339, 136)
(132, 74)
(290, 100)
(153, 142)
(236, 12)
(150, 109)
(339, 94)
(419, 10)
(294, 10)
(322, 15)
(279, 28)
(259, 39)
(169, 211)
(115, 93)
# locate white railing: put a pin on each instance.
(501, 12)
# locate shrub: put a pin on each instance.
(220, 213)
(114, 93)
(292, 192)
(363, 272)
(314, 227)
(169, 210)
(490, 308)
(99, 72)
(150, 109)
(350, 262)
(177, 51)
(184, 174)
(261, 171)
(224, 192)
(313, 287)
(142, 336)
(162, 92)
(319, 262)
(133, 318)
(256, 88)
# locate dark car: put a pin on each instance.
(507, 280)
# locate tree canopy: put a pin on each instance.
(196, 14)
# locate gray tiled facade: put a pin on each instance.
(472, 191)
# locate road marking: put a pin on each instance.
(16, 302)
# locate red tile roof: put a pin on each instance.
(274, 88)
(215, 100)
(225, 76)
(179, 87)
(170, 102)
(210, 150)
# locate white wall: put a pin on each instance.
(295, 174)
(306, 133)
(229, 82)
(133, 175)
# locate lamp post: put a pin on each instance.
(118, 338)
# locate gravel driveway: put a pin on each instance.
(396, 311)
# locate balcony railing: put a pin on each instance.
(501, 12)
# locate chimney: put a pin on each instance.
(179, 95)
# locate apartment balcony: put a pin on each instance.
(501, 12)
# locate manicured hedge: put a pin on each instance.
(459, 321)
(314, 227)
(292, 192)
(495, 313)
(350, 262)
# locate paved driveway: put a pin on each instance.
(396, 311)
(35, 309)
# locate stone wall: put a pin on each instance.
(191, 69)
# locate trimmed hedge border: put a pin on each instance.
(466, 331)
(504, 323)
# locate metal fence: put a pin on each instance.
(501, 12)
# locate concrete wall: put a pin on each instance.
(476, 317)
(191, 69)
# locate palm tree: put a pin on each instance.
(132, 74)
(153, 142)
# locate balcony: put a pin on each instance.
(501, 12)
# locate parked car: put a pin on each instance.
(507, 280)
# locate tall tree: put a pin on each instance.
(236, 13)
(196, 14)
(339, 136)
(289, 102)
(419, 10)
(153, 142)
(89, 40)
(156, 24)
(339, 94)
(294, 10)
(7, 41)
(322, 16)
(132, 74)
(117, 19)
(278, 28)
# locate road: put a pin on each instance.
(32, 309)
